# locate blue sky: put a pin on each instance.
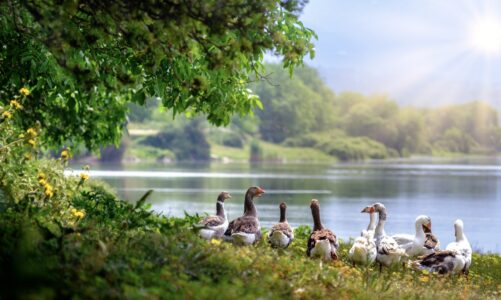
(419, 52)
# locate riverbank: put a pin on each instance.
(120, 250)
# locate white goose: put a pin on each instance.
(364, 250)
(455, 259)
(215, 226)
(415, 245)
(388, 251)
(281, 234)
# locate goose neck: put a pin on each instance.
(372, 221)
(249, 208)
(317, 224)
(220, 209)
(282, 214)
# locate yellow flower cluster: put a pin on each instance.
(32, 142)
(24, 91)
(78, 213)
(16, 105)
(32, 132)
(48, 189)
(84, 176)
(65, 154)
(6, 115)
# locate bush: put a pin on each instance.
(227, 138)
(358, 148)
(187, 143)
(256, 151)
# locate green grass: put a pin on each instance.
(124, 251)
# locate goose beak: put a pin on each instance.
(368, 209)
(260, 192)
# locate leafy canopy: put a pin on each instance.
(84, 60)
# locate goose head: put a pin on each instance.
(223, 196)
(255, 191)
(381, 210)
(423, 221)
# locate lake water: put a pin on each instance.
(444, 190)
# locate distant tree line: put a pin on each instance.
(303, 112)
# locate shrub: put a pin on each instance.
(187, 143)
(358, 148)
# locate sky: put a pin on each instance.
(418, 52)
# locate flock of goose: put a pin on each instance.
(373, 245)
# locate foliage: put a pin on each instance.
(304, 112)
(355, 148)
(256, 151)
(291, 106)
(87, 60)
(187, 143)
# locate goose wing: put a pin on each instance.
(284, 227)
(431, 242)
(323, 234)
(212, 221)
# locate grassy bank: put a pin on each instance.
(119, 250)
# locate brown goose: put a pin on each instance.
(431, 241)
(281, 234)
(322, 243)
(215, 226)
(246, 229)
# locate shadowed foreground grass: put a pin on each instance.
(125, 251)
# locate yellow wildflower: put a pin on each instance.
(24, 91)
(6, 115)
(65, 154)
(32, 142)
(32, 132)
(15, 104)
(84, 176)
(48, 190)
(21, 136)
(77, 213)
(41, 175)
(80, 214)
(42, 182)
(215, 242)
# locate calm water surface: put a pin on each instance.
(443, 190)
